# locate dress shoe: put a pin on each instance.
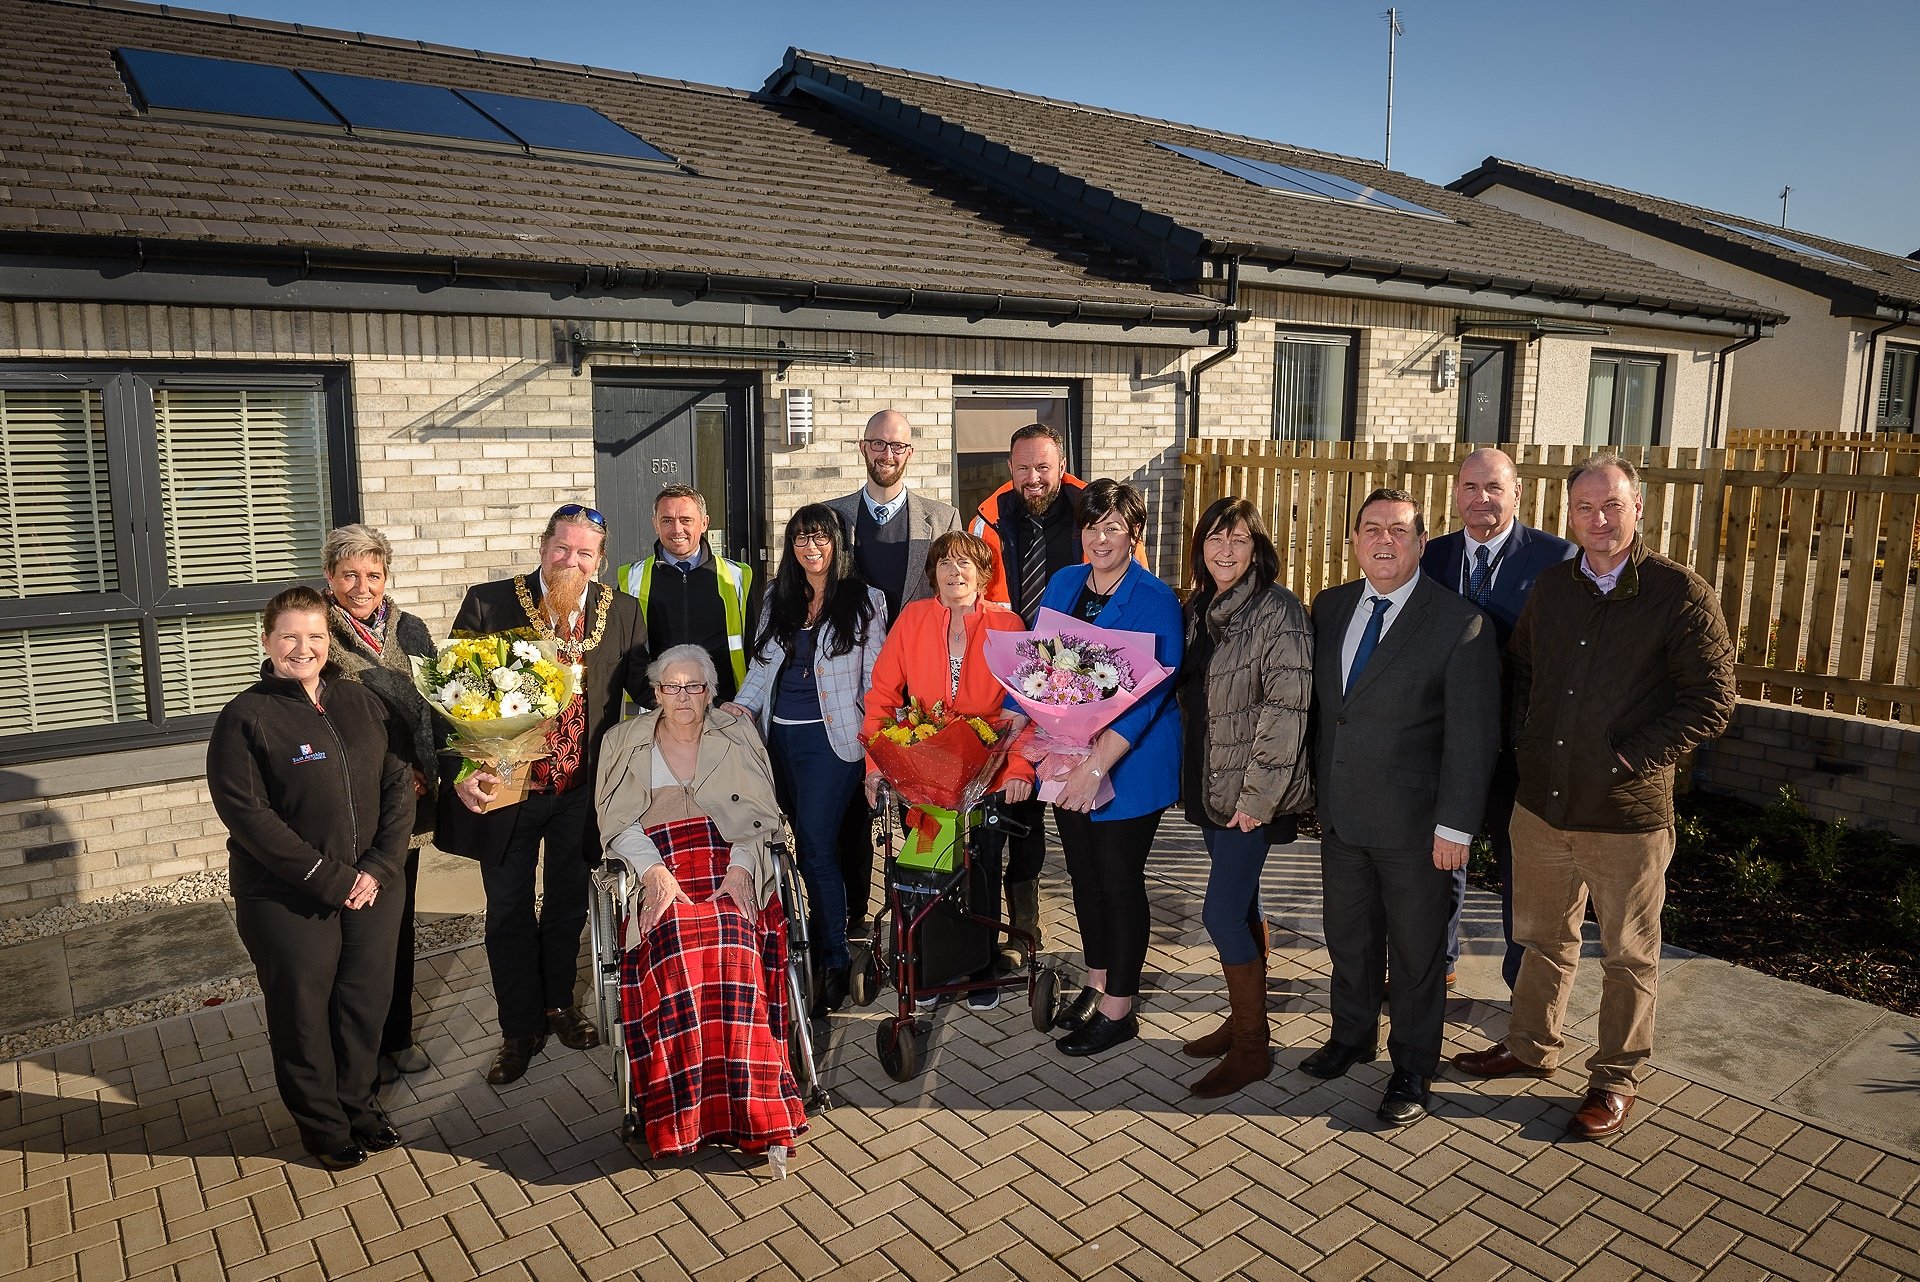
(379, 1139)
(1496, 1061)
(1405, 1100)
(1600, 1115)
(834, 982)
(510, 1065)
(1099, 1033)
(1335, 1058)
(574, 1030)
(1078, 1011)
(342, 1159)
(410, 1059)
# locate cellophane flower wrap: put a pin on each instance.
(500, 692)
(937, 762)
(1073, 680)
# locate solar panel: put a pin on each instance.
(1791, 246)
(395, 106)
(1299, 181)
(220, 87)
(563, 126)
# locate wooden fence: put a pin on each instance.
(1813, 552)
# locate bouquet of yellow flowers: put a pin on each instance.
(500, 692)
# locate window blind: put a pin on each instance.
(243, 480)
(206, 661)
(87, 675)
(55, 501)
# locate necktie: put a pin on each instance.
(1369, 639)
(1033, 570)
(882, 513)
(1481, 589)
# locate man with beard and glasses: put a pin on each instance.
(534, 956)
(889, 529)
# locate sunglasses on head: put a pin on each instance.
(571, 510)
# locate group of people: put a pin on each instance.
(1497, 680)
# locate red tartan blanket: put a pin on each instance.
(704, 1002)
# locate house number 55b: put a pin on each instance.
(665, 466)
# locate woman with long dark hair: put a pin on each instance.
(811, 661)
(1246, 682)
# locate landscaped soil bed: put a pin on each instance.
(1746, 885)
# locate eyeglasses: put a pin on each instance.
(568, 511)
(895, 448)
(813, 540)
(682, 687)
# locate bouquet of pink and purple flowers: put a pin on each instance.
(1073, 680)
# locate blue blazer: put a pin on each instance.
(1529, 551)
(1147, 778)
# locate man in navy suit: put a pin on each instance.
(1492, 560)
(1406, 692)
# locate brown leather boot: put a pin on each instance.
(1250, 1057)
(1212, 1045)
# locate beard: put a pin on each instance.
(883, 472)
(1040, 505)
(566, 589)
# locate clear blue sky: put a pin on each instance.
(1709, 101)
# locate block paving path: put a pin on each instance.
(162, 1152)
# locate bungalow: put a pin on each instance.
(257, 280)
(1848, 356)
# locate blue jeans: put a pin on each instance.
(815, 787)
(1233, 890)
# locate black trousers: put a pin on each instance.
(326, 980)
(1107, 862)
(535, 959)
(1026, 855)
(398, 1033)
(1387, 908)
(856, 853)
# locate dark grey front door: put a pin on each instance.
(648, 435)
(1485, 382)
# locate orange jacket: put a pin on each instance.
(914, 662)
(986, 526)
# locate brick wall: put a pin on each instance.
(469, 431)
(1841, 766)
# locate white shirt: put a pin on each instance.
(1493, 546)
(892, 507)
(1350, 645)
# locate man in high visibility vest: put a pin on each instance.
(688, 595)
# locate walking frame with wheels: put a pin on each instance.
(919, 902)
(610, 884)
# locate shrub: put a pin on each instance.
(1824, 855)
(1904, 911)
(1480, 862)
(1786, 813)
(1755, 876)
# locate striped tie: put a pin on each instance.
(1033, 570)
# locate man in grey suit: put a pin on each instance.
(1406, 688)
(889, 528)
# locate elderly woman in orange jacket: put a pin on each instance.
(935, 652)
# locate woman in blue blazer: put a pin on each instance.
(1106, 848)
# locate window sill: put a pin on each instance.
(103, 771)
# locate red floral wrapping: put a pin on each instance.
(934, 771)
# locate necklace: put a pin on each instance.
(1093, 582)
(568, 648)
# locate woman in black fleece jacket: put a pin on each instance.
(318, 809)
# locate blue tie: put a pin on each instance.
(1369, 640)
(882, 513)
(1481, 589)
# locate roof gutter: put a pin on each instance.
(588, 279)
(1866, 371)
(1720, 381)
(1232, 346)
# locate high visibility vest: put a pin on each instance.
(735, 579)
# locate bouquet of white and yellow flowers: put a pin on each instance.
(500, 692)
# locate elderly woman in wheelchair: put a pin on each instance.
(686, 802)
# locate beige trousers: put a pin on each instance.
(1554, 874)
